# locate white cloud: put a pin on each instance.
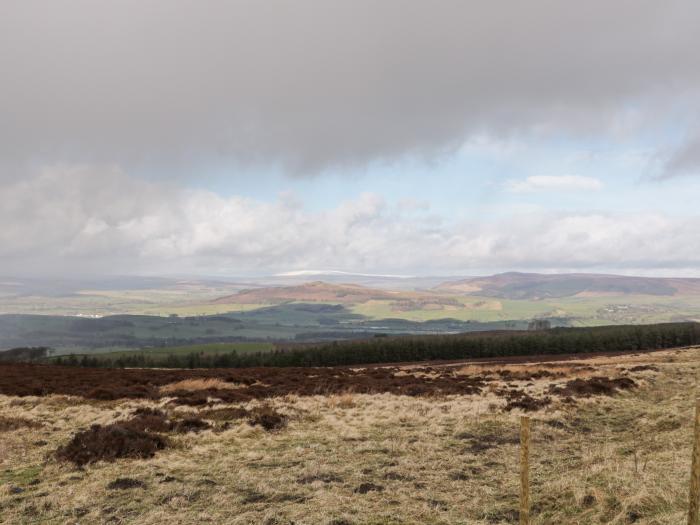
(100, 220)
(554, 183)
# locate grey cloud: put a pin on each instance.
(312, 84)
(684, 161)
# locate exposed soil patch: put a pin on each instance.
(108, 443)
(126, 483)
(594, 386)
(588, 500)
(364, 488)
(267, 417)
(642, 368)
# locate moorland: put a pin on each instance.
(379, 445)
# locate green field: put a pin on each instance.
(480, 309)
(194, 309)
(581, 311)
(181, 299)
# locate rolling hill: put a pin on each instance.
(317, 291)
(91, 314)
(533, 286)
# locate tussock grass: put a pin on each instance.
(346, 400)
(195, 385)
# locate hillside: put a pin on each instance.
(284, 322)
(317, 291)
(268, 308)
(514, 285)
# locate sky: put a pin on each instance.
(242, 138)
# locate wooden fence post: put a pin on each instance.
(694, 503)
(525, 470)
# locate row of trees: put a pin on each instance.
(25, 354)
(426, 348)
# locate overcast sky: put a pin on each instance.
(402, 137)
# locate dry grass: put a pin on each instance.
(195, 385)
(551, 368)
(341, 401)
(375, 459)
(554, 369)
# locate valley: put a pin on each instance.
(127, 313)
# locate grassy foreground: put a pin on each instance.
(377, 459)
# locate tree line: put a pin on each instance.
(422, 348)
(25, 353)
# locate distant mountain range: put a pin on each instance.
(514, 285)
(580, 298)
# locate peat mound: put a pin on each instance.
(146, 422)
(526, 402)
(110, 442)
(125, 483)
(156, 421)
(267, 417)
(593, 386)
(189, 424)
